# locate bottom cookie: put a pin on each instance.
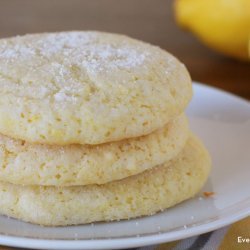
(139, 195)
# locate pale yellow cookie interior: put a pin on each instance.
(31, 164)
(87, 87)
(139, 195)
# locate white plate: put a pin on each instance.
(223, 122)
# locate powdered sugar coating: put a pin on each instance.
(87, 87)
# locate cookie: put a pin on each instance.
(31, 164)
(87, 87)
(143, 194)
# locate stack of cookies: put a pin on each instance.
(93, 129)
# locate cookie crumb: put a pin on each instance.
(208, 194)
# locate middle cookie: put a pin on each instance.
(33, 164)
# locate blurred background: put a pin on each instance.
(150, 20)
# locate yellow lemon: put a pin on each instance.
(223, 25)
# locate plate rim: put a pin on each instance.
(127, 242)
(131, 241)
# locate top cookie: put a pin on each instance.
(87, 87)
